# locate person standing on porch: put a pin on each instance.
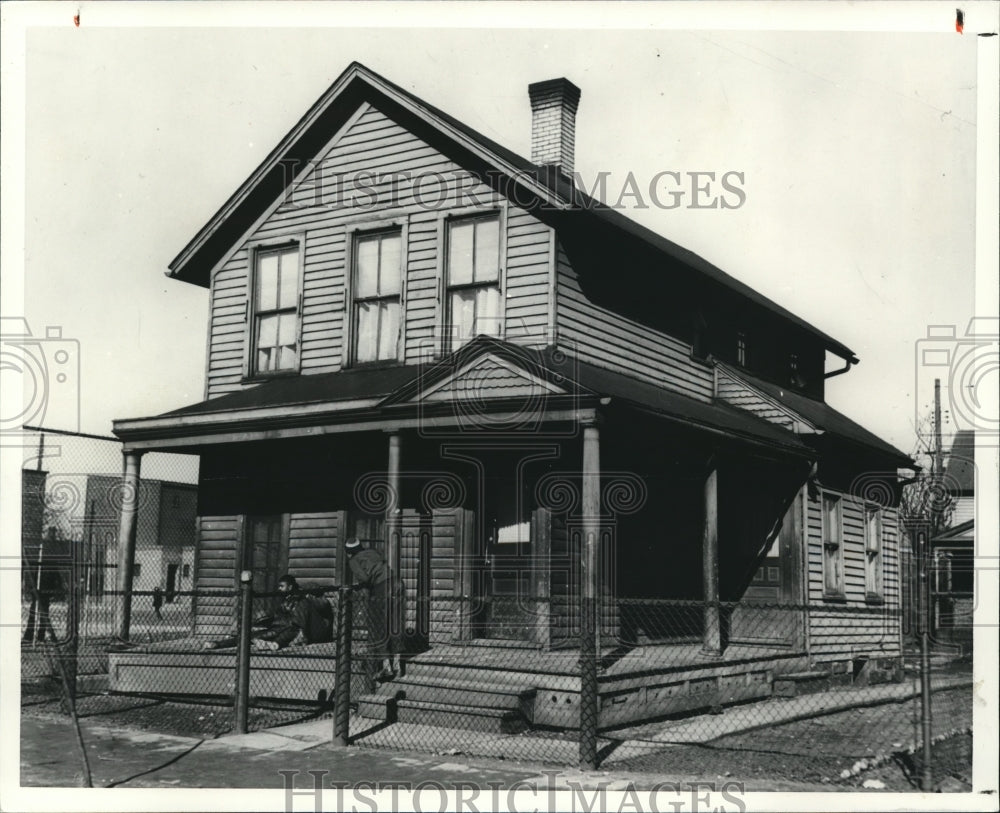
(371, 571)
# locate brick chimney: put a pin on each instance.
(553, 123)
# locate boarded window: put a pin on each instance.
(833, 547)
(473, 276)
(276, 310)
(873, 550)
(377, 287)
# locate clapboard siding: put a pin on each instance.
(329, 200)
(313, 541)
(855, 627)
(602, 337)
(739, 395)
(215, 567)
(527, 278)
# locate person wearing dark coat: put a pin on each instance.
(301, 618)
(385, 604)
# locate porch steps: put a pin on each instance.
(496, 707)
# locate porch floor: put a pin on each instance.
(634, 685)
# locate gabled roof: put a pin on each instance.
(826, 418)
(358, 83)
(960, 473)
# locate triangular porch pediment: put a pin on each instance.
(484, 378)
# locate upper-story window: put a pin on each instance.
(276, 310)
(376, 293)
(833, 546)
(873, 551)
(742, 349)
(473, 279)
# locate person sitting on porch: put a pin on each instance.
(300, 618)
(385, 604)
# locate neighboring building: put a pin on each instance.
(954, 549)
(165, 533)
(538, 380)
(960, 476)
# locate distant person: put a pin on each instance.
(157, 601)
(385, 603)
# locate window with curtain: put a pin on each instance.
(473, 279)
(377, 289)
(276, 310)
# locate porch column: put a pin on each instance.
(126, 537)
(395, 507)
(591, 505)
(712, 636)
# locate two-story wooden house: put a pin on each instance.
(424, 340)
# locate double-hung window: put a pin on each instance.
(833, 547)
(473, 279)
(275, 310)
(376, 293)
(873, 551)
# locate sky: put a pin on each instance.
(857, 149)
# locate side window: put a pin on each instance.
(873, 551)
(833, 546)
(472, 277)
(376, 296)
(275, 296)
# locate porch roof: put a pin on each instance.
(361, 398)
(826, 418)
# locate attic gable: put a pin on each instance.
(309, 138)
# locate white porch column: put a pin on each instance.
(712, 636)
(395, 507)
(126, 537)
(591, 506)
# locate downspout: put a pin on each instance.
(850, 363)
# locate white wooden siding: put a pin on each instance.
(604, 338)
(836, 629)
(216, 570)
(328, 200)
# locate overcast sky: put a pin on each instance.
(857, 149)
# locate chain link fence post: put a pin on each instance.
(241, 701)
(924, 605)
(588, 685)
(343, 667)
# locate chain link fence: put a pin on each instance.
(682, 687)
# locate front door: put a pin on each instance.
(507, 579)
(265, 554)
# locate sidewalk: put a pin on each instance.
(122, 757)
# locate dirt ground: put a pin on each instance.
(870, 743)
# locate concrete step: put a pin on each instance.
(794, 684)
(495, 721)
(463, 692)
(378, 707)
